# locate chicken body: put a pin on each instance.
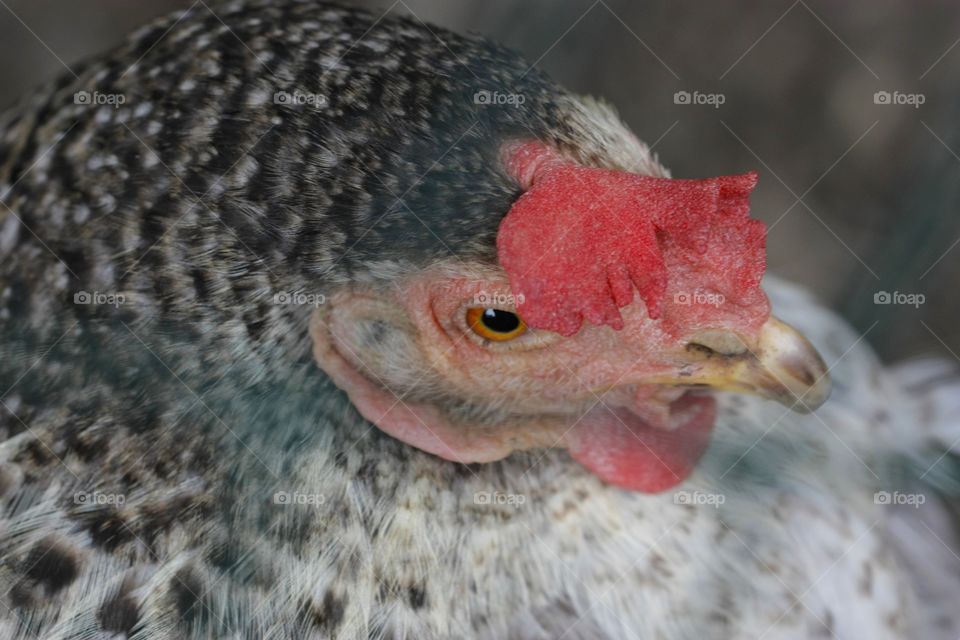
(173, 464)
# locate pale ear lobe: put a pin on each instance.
(339, 330)
(357, 329)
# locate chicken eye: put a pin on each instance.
(496, 325)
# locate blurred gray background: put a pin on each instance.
(860, 197)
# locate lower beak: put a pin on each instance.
(782, 366)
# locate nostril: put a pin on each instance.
(701, 350)
(721, 343)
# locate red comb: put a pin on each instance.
(580, 239)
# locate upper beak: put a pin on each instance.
(782, 366)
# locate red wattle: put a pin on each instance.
(623, 450)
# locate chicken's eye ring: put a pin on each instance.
(496, 325)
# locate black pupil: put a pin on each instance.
(500, 321)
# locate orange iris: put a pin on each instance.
(495, 325)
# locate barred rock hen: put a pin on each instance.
(240, 243)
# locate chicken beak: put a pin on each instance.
(782, 365)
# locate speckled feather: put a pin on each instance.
(197, 401)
